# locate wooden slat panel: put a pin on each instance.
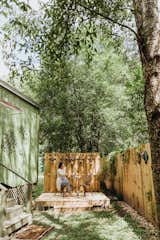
(78, 167)
(133, 180)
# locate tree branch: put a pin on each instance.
(108, 18)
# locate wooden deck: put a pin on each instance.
(72, 203)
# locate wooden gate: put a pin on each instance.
(79, 167)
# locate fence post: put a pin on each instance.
(29, 198)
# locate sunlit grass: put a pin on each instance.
(91, 226)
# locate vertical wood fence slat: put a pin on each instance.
(133, 181)
(47, 174)
(78, 167)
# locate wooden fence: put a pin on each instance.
(79, 167)
(130, 175)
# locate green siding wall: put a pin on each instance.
(18, 139)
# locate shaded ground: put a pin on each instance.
(38, 189)
(92, 226)
(105, 225)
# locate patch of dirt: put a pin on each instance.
(124, 209)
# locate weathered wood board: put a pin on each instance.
(132, 179)
(79, 167)
(72, 203)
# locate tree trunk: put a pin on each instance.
(147, 15)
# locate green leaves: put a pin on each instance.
(71, 58)
(10, 4)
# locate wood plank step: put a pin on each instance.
(66, 210)
(12, 212)
(10, 202)
(73, 205)
(59, 202)
(70, 202)
(18, 222)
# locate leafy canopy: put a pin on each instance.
(71, 58)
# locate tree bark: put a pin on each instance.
(147, 15)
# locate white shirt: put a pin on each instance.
(60, 174)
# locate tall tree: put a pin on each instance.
(147, 15)
(65, 18)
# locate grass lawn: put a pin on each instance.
(91, 226)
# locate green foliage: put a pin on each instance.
(37, 190)
(136, 113)
(113, 159)
(76, 68)
(104, 169)
(84, 104)
(7, 6)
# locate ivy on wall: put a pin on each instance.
(8, 142)
(22, 132)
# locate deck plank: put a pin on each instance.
(57, 201)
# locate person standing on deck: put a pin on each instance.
(62, 180)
